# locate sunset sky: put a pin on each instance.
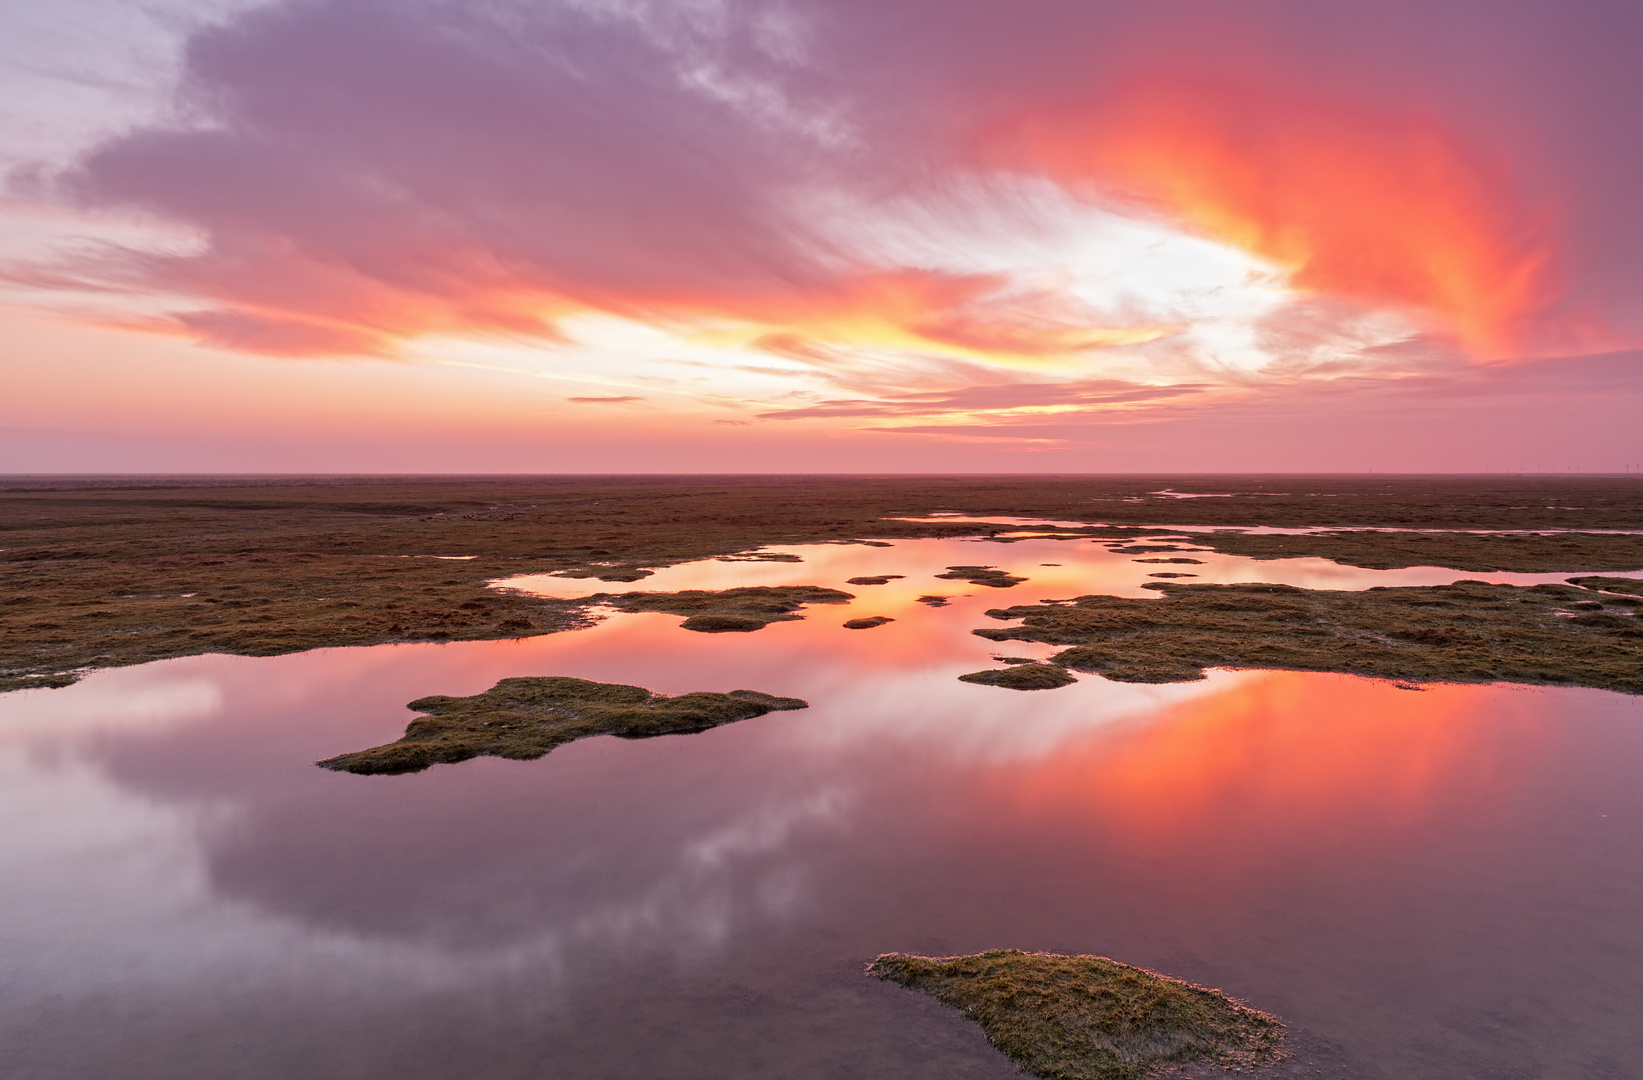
(820, 235)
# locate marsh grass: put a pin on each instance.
(524, 718)
(96, 572)
(1022, 676)
(1624, 586)
(990, 576)
(1466, 632)
(728, 610)
(867, 623)
(1087, 1017)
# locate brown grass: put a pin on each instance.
(93, 572)
(1466, 632)
(867, 623)
(1624, 586)
(1018, 676)
(728, 610)
(1087, 1017)
(992, 577)
(527, 717)
(1483, 553)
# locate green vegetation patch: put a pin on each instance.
(1466, 632)
(728, 610)
(1022, 676)
(982, 575)
(1087, 1017)
(525, 718)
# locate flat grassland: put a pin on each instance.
(107, 571)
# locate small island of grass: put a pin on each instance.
(1468, 632)
(524, 718)
(729, 610)
(1087, 1017)
(1022, 676)
(990, 576)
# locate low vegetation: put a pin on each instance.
(525, 718)
(1475, 553)
(1087, 1017)
(1560, 635)
(990, 576)
(728, 610)
(1028, 676)
(106, 571)
(1623, 586)
(867, 623)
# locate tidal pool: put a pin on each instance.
(1441, 883)
(1054, 568)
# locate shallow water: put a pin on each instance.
(1054, 569)
(1441, 884)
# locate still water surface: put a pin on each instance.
(1441, 884)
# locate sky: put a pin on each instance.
(820, 236)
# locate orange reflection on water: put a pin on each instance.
(1316, 751)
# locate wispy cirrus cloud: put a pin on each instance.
(991, 402)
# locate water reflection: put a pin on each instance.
(1055, 568)
(1442, 882)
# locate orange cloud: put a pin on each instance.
(976, 316)
(1384, 209)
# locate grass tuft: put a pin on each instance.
(1466, 632)
(1087, 1017)
(982, 575)
(1019, 676)
(524, 718)
(729, 610)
